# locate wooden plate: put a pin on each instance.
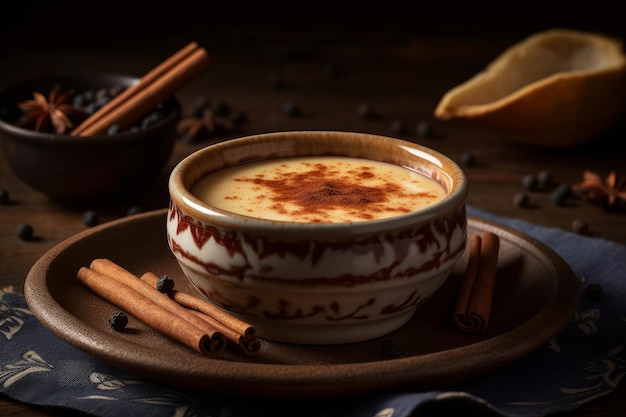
(536, 295)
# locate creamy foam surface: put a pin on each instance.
(318, 189)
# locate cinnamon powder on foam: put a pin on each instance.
(320, 189)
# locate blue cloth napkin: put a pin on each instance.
(585, 361)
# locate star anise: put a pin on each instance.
(610, 193)
(196, 128)
(53, 114)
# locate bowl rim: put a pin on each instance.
(181, 196)
(14, 132)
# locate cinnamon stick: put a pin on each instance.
(145, 310)
(122, 276)
(473, 309)
(153, 88)
(467, 284)
(195, 303)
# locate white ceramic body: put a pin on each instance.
(317, 283)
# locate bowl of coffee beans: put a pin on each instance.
(40, 129)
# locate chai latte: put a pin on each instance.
(324, 189)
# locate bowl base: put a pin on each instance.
(304, 334)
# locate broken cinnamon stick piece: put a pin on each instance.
(122, 276)
(473, 308)
(145, 310)
(195, 303)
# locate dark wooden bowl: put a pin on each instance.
(71, 169)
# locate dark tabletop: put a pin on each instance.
(333, 60)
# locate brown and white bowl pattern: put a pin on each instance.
(329, 289)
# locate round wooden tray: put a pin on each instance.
(535, 296)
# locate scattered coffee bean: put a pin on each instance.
(560, 195)
(88, 95)
(114, 129)
(91, 218)
(544, 179)
(580, 226)
(151, 119)
(366, 111)
(165, 284)
(521, 199)
(594, 292)
(468, 159)
(118, 320)
(291, 109)
(530, 182)
(78, 100)
(424, 130)
(135, 209)
(398, 127)
(25, 231)
(239, 117)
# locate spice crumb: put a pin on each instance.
(530, 182)
(560, 195)
(291, 109)
(521, 199)
(25, 231)
(134, 209)
(399, 127)
(366, 111)
(468, 158)
(580, 226)
(544, 179)
(165, 284)
(91, 218)
(594, 291)
(118, 320)
(424, 130)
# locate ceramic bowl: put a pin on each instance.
(73, 169)
(317, 283)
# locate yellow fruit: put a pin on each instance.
(558, 88)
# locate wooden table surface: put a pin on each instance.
(401, 74)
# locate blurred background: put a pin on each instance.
(66, 24)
